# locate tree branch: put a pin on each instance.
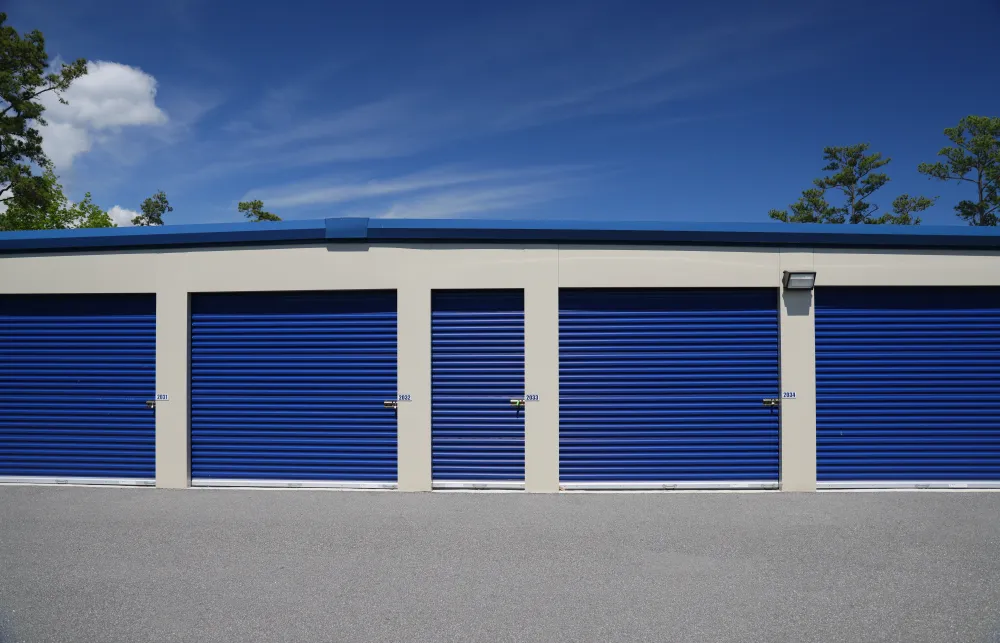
(32, 97)
(951, 177)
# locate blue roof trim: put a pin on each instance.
(649, 232)
(163, 236)
(362, 230)
(347, 229)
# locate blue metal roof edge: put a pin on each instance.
(741, 234)
(349, 229)
(163, 236)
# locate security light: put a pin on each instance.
(798, 280)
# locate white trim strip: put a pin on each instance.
(476, 484)
(117, 482)
(663, 486)
(880, 484)
(292, 484)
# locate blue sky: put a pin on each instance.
(685, 111)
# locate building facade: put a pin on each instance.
(543, 356)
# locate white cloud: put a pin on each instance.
(64, 141)
(122, 216)
(110, 97)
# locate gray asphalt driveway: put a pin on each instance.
(110, 565)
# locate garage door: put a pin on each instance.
(664, 388)
(477, 346)
(289, 388)
(908, 387)
(75, 374)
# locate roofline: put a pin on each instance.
(361, 230)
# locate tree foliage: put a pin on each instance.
(152, 210)
(55, 211)
(88, 214)
(23, 79)
(255, 212)
(904, 207)
(974, 158)
(853, 173)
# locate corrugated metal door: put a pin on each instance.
(908, 386)
(75, 374)
(477, 348)
(289, 388)
(664, 388)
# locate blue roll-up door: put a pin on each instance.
(477, 354)
(75, 374)
(290, 387)
(908, 386)
(666, 387)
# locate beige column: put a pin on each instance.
(173, 434)
(798, 375)
(414, 379)
(541, 379)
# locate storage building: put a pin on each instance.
(544, 356)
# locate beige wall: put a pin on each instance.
(798, 376)
(415, 270)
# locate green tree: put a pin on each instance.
(904, 207)
(812, 207)
(152, 210)
(853, 172)
(87, 214)
(55, 211)
(23, 78)
(975, 159)
(254, 211)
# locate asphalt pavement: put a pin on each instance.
(110, 564)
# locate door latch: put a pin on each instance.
(517, 404)
(390, 404)
(150, 404)
(772, 402)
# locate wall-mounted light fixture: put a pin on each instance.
(798, 280)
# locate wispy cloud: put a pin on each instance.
(663, 67)
(284, 97)
(471, 201)
(445, 191)
(663, 70)
(393, 127)
(439, 107)
(314, 155)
